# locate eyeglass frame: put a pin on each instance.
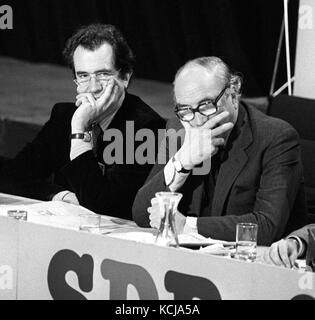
(88, 81)
(214, 102)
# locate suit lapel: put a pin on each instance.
(230, 168)
(123, 115)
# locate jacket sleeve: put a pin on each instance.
(112, 193)
(28, 174)
(155, 181)
(303, 232)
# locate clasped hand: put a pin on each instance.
(202, 143)
(92, 108)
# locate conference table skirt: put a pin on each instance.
(44, 260)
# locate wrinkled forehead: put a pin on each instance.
(196, 83)
(92, 60)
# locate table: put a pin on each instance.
(47, 262)
(7, 199)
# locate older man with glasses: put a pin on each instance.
(255, 174)
(67, 161)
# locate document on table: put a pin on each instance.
(65, 215)
(191, 241)
(197, 240)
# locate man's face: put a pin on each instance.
(196, 85)
(95, 63)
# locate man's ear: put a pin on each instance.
(126, 79)
(234, 95)
(234, 98)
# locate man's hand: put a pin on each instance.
(92, 109)
(203, 142)
(282, 253)
(156, 217)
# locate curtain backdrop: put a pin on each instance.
(164, 34)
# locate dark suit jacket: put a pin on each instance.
(43, 168)
(260, 181)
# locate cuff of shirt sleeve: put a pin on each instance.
(301, 247)
(169, 173)
(173, 179)
(191, 225)
(59, 196)
(79, 147)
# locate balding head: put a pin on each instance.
(203, 79)
(216, 68)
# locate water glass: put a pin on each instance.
(90, 222)
(246, 241)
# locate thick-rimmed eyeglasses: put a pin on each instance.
(206, 108)
(84, 79)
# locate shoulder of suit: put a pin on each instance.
(63, 109)
(265, 124)
(142, 111)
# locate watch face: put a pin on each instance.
(87, 137)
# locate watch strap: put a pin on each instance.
(77, 136)
(85, 136)
(182, 170)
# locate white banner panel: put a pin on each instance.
(305, 52)
(8, 258)
(65, 264)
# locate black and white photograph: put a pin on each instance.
(155, 150)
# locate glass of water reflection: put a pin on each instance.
(90, 222)
(246, 241)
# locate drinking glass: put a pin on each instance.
(246, 241)
(90, 222)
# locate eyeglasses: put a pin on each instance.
(206, 108)
(84, 79)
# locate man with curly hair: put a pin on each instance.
(67, 161)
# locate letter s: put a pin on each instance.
(62, 262)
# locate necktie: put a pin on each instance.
(210, 182)
(215, 165)
(97, 138)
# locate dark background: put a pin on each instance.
(164, 34)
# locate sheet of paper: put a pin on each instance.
(198, 239)
(138, 236)
(216, 249)
(191, 240)
(65, 215)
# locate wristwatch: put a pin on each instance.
(179, 167)
(86, 136)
